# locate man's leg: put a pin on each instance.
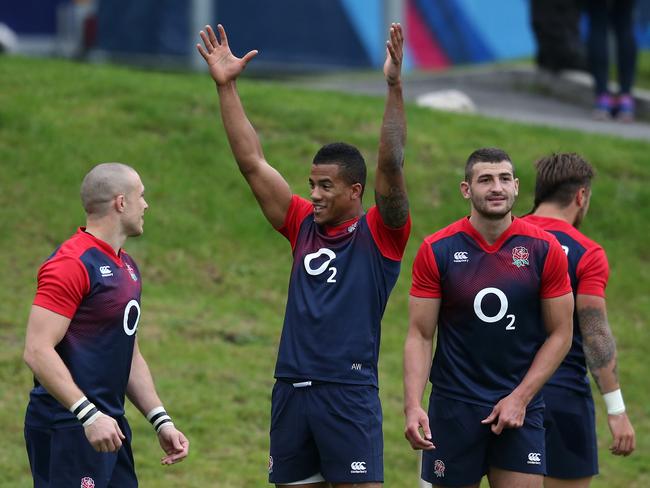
(123, 475)
(558, 483)
(460, 456)
(501, 478)
(571, 447)
(517, 457)
(294, 457)
(63, 457)
(320, 484)
(346, 422)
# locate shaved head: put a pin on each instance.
(103, 183)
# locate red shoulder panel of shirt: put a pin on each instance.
(555, 278)
(63, 280)
(391, 242)
(593, 268)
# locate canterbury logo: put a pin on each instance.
(105, 271)
(358, 467)
(534, 458)
(461, 257)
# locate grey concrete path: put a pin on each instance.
(519, 94)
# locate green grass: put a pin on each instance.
(643, 70)
(214, 272)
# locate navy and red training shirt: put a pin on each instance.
(340, 282)
(489, 325)
(589, 272)
(99, 292)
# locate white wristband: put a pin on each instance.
(85, 411)
(159, 418)
(614, 402)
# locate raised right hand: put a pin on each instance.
(104, 434)
(224, 66)
(417, 418)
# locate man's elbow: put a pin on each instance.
(32, 356)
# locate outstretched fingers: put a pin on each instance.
(209, 47)
(222, 34)
(396, 42)
(249, 55)
(213, 37)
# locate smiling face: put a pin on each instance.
(492, 189)
(334, 200)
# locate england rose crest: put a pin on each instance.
(87, 482)
(439, 468)
(520, 256)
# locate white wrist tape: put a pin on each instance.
(85, 411)
(159, 418)
(614, 402)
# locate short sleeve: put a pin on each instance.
(391, 242)
(62, 284)
(426, 277)
(299, 209)
(593, 273)
(555, 276)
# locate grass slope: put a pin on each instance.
(215, 273)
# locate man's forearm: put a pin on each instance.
(393, 131)
(390, 194)
(546, 361)
(417, 364)
(243, 139)
(52, 373)
(140, 388)
(599, 347)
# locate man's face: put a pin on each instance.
(334, 199)
(492, 189)
(135, 206)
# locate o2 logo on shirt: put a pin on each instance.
(130, 325)
(323, 251)
(503, 307)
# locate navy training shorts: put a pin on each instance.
(328, 428)
(570, 422)
(466, 449)
(63, 458)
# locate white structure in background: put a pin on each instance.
(447, 100)
(8, 39)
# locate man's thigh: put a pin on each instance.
(63, 457)
(501, 478)
(460, 456)
(293, 454)
(520, 450)
(346, 421)
(570, 422)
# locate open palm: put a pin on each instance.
(394, 54)
(224, 66)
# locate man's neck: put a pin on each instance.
(490, 229)
(568, 214)
(107, 232)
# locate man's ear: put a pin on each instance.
(356, 190)
(120, 203)
(465, 190)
